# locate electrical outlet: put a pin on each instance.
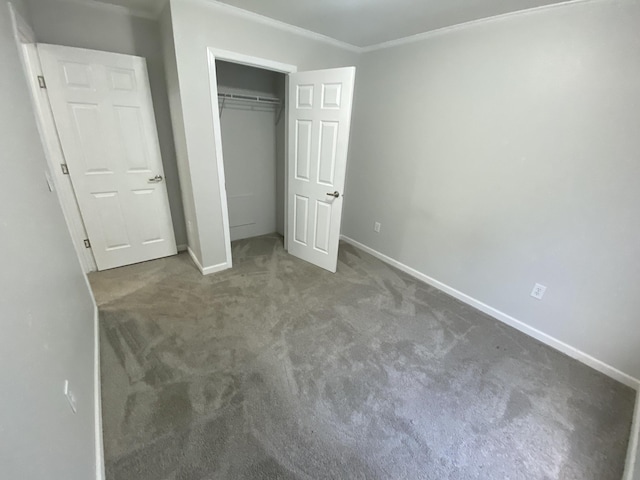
(538, 291)
(71, 397)
(377, 227)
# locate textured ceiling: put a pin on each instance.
(367, 22)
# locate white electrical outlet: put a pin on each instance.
(70, 397)
(538, 291)
(376, 227)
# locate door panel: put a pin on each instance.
(89, 131)
(303, 149)
(322, 230)
(327, 154)
(101, 103)
(130, 127)
(319, 124)
(301, 217)
(112, 220)
(304, 95)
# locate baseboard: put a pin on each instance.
(505, 318)
(182, 247)
(632, 448)
(207, 270)
(97, 392)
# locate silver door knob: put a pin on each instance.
(334, 194)
(156, 179)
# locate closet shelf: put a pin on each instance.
(249, 98)
(241, 99)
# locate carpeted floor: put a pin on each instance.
(279, 370)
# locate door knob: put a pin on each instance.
(334, 194)
(156, 179)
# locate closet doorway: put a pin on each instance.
(251, 109)
(311, 116)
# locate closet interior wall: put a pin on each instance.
(253, 148)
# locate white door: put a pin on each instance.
(319, 123)
(102, 107)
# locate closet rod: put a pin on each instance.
(251, 98)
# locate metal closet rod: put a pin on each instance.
(253, 98)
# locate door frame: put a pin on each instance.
(214, 54)
(58, 182)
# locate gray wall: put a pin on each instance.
(86, 26)
(179, 134)
(506, 153)
(235, 76)
(195, 27)
(46, 309)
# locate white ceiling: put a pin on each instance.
(367, 22)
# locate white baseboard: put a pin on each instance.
(182, 247)
(207, 270)
(97, 392)
(632, 449)
(503, 317)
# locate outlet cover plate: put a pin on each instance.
(538, 291)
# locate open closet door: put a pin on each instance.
(319, 123)
(101, 103)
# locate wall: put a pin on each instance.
(179, 135)
(196, 26)
(98, 28)
(46, 309)
(241, 77)
(249, 150)
(505, 153)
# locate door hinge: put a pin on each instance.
(41, 82)
(87, 243)
(65, 169)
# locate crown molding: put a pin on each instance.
(303, 32)
(382, 45)
(117, 9)
(418, 37)
(287, 27)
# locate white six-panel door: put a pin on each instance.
(319, 122)
(103, 111)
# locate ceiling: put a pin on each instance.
(367, 22)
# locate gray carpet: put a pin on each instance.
(279, 370)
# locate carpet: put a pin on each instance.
(277, 369)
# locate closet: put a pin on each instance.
(251, 105)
